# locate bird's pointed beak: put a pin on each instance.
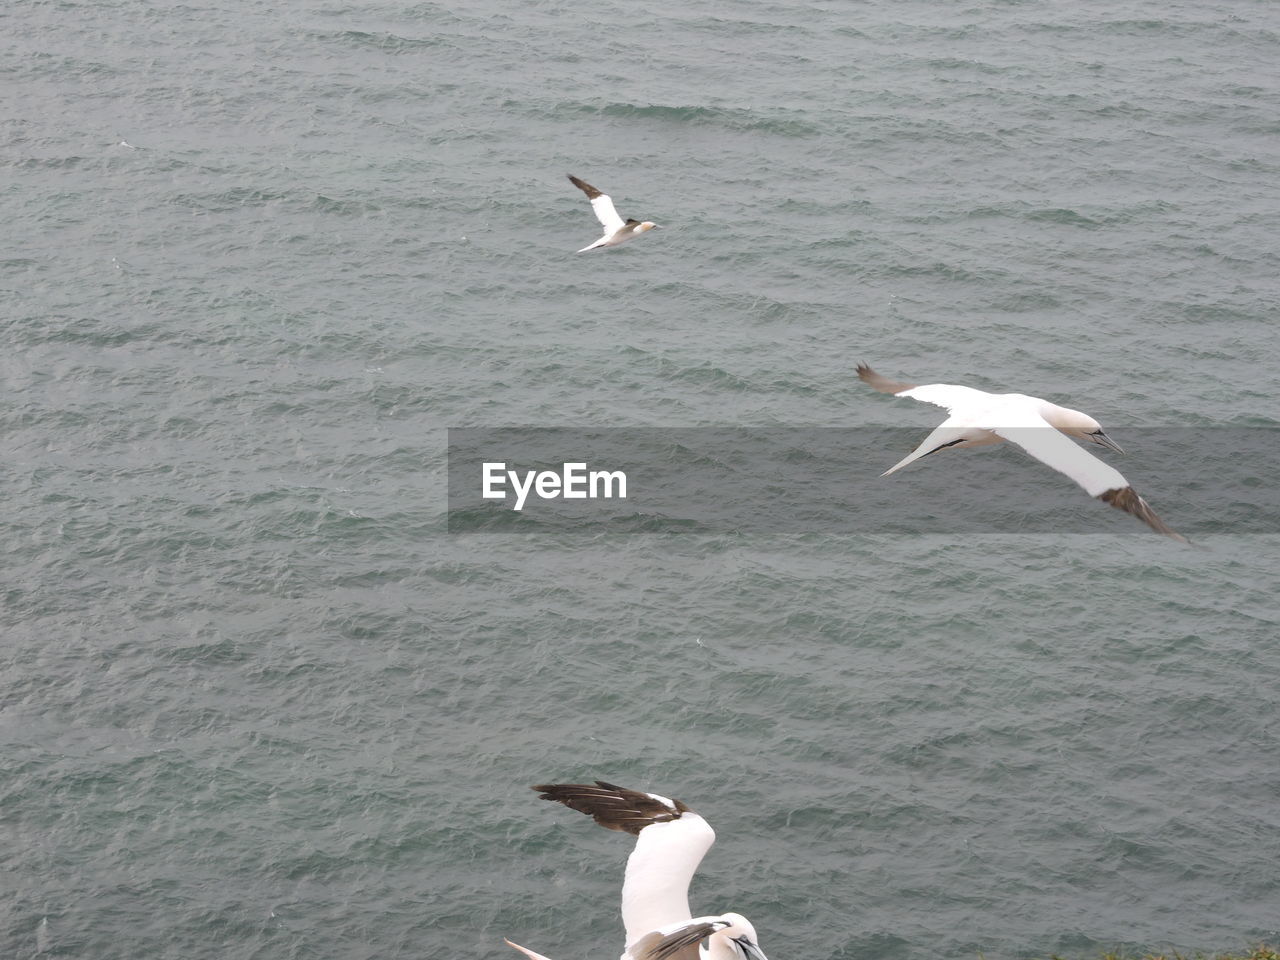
(750, 950)
(1099, 437)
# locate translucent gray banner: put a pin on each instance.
(828, 480)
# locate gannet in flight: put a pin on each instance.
(616, 230)
(979, 418)
(670, 842)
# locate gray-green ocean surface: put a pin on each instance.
(257, 702)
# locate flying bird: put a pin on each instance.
(979, 419)
(616, 230)
(670, 842)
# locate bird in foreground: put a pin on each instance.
(670, 842)
(978, 419)
(616, 230)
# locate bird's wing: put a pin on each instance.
(670, 842)
(605, 213)
(952, 431)
(1100, 480)
(1129, 501)
(601, 204)
(1056, 450)
(948, 395)
(655, 891)
(678, 943)
(525, 950)
(614, 807)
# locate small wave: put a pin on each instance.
(231, 199)
(952, 63)
(323, 204)
(48, 163)
(781, 123)
(1146, 26)
(386, 42)
(711, 375)
(1062, 215)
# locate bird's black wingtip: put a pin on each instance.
(882, 383)
(1128, 500)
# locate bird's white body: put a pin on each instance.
(622, 234)
(616, 230)
(980, 419)
(671, 841)
(1043, 429)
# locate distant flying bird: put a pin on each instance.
(1039, 427)
(670, 842)
(616, 230)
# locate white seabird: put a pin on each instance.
(978, 419)
(670, 842)
(616, 230)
